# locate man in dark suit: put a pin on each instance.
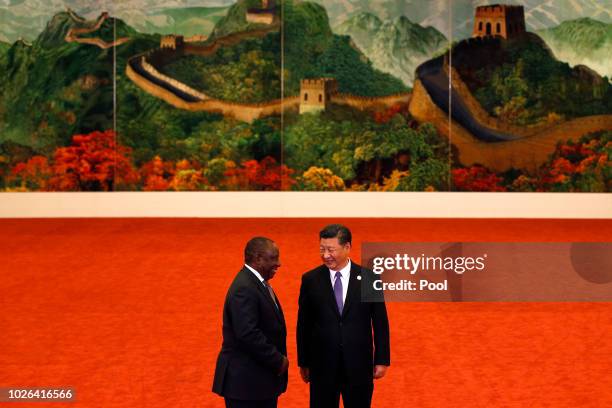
(337, 353)
(252, 366)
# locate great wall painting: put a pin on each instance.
(305, 96)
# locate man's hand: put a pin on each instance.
(305, 373)
(380, 371)
(284, 367)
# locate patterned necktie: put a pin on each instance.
(338, 292)
(271, 292)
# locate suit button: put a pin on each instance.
(340, 324)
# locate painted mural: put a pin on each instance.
(342, 95)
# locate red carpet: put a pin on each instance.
(128, 312)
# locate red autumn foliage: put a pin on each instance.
(574, 166)
(93, 162)
(476, 178)
(160, 175)
(157, 174)
(385, 116)
(265, 175)
(572, 162)
(559, 172)
(34, 173)
(188, 176)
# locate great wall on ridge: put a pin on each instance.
(73, 34)
(477, 137)
(480, 138)
(143, 70)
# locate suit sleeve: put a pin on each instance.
(304, 327)
(245, 323)
(380, 326)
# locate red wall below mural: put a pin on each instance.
(128, 312)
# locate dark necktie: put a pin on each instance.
(338, 292)
(271, 292)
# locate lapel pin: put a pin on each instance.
(358, 277)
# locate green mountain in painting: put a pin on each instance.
(522, 82)
(52, 89)
(27, 18)
(234, 20)
(56, 87)
(251, 70)
(396, 46)
(583, 41)
(4, 47)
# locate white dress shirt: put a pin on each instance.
(255, 273)
(272, 294)
(346, 274)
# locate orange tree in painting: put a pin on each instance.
(386, 115)
(579, 166)
(157, 174)
(33, 174)
(93, 162)
(266, 175)
(574, 166)
(476, 178)
(160, 175)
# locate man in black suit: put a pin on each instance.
(252, 366)
(337, 354)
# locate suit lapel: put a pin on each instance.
(353, 293)
(260, 286)
(281, 314)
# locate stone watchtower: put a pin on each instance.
(499, 20)
(174, 42)
(263, 14)
(316, 94)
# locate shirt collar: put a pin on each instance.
(255, 273)
(345, 272)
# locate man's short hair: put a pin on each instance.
(337, 230)
(256, 246)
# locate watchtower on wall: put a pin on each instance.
(316, 94)
(263, 14)
(174, 42)
(499, 20)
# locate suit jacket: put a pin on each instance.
(254, 342)
(324, 337)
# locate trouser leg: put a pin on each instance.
(357, 396)
(232, 403)
(324, 395)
